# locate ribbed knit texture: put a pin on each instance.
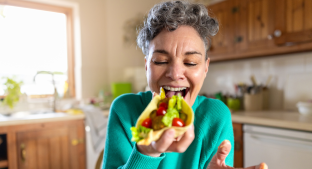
(212, 126)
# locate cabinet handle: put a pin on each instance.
(277, 33)
(235, 9)
(23, 152)
(238, 39)
(77, 141)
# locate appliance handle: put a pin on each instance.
(281, 141)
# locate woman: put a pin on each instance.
(174, 41)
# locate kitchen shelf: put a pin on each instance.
(3, 163)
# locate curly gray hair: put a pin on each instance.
(170, 15)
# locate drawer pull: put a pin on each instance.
(76, 141)
(23, 152)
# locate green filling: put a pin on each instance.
(174, 106)
(139, 133)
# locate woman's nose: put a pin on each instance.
(175, 72)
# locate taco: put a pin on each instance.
(161, 114)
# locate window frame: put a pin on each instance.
(70, 33)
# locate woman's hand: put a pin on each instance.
(167, 143)
(218, 160)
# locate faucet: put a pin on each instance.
(53, 82)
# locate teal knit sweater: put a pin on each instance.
(212, 125)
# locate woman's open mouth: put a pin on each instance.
(170, 91)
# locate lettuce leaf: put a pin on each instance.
(179, 102)
(139, 133)
(172, 101)
(169, 116)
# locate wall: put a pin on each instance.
(223, 75)
(121, 56)
(101, 55)
(90, 44)
(104, 57)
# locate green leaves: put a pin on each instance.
(175, 104)
(169, 116)
(172, 101)
(179, 102)
(12, 92)
(139, 133)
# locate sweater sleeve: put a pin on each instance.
(224, 131)
(119, 152)
(227, 134)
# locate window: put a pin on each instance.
(36, 40)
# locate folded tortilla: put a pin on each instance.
(155, 135)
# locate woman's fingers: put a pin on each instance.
(260, 166)
(164, 141)
(155, 94)
(160, 146)
(218, 160)
(223, 151)
(185, 141)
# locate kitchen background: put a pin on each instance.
(103, 56)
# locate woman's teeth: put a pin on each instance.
(174, 88)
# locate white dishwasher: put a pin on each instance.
(278, 148)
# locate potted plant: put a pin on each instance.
(12, 92)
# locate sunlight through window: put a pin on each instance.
(30, 41)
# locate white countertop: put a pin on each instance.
(38, 118)
(41, 118)
(281, 119)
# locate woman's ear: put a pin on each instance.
(207, 65)
(145, 63)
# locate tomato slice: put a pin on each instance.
(161, 111)
(147, 123)
(163, 104)
(178, 122)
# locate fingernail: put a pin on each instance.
(224, 143)
(153, 143)
(191, 127)
(263, 166)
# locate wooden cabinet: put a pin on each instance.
(222, 42)
(252, 28)
(294, 20)
(47, 145)
(238, 145)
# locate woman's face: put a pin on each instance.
(176, 62)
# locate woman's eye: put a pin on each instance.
(160, 63)
(190, 64)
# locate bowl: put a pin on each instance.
(305, 108)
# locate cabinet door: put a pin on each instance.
(245, 28)
(222, 43)
(238, 145)
(293, 22)
(50, 148)
(255, 26)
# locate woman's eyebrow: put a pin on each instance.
(192, 53)
(160, 51)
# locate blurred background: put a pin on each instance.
(74, 57)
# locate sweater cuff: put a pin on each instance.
(139, 160)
